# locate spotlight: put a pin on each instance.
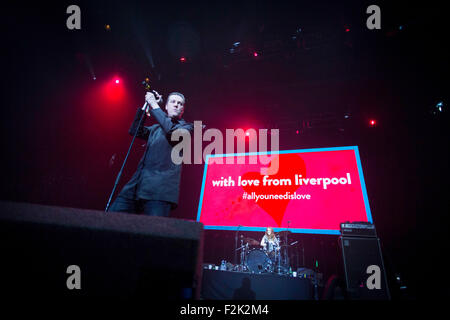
(255, 54)
(117, 81)
(235, 47)
(437, 109)
(107, 27)
(183, 59)
(94, 78)
(372, 122)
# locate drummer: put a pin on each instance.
(270, 243)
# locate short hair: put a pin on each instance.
(177, 94)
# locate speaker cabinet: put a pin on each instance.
(46, 251)
(364, 268)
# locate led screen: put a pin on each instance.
(313, 191)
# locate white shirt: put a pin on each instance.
(270, 244)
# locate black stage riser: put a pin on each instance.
(228, 285)
(119, 255)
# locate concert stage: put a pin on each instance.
(230, 285)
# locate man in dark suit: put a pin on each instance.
(154, 188)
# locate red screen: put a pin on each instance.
(313, 191)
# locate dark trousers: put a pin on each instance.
(148, 207)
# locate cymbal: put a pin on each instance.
(251, 241)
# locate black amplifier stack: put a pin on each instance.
(363, 262)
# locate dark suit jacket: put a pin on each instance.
(157, 177)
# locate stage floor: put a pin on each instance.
(231, 285)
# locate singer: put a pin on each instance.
(154, 188)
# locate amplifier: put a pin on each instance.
(360, 253)
(358, 229)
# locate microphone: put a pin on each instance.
(147, 87)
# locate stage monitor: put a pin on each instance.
(312, 191)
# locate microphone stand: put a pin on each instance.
(286, 252)
(236, 245)
(303, 254)
(126, 158)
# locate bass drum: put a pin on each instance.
(258, 261)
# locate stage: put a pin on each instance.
(231, 285)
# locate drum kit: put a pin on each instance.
(255, 259)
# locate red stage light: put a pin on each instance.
(182, 59)
(372, 122)
(255, 54)
(347, 30)
(117, 81)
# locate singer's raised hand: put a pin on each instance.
(150, 99)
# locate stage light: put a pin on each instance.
(255, 54)
(296, 131)
(107, 27)
(94, 78)
(235, 47)
(182, 59)
(372, 122)
(247, 133)
(297, 32)
(117, 81)
(347, 30)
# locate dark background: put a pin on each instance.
(64, 134)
